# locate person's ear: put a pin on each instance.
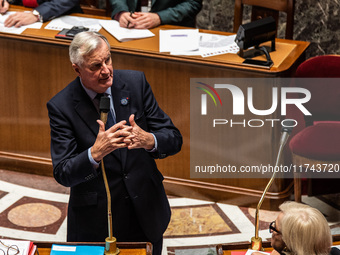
(76, 68)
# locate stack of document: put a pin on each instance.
(191, 42)
(124, 34)
(70, 21)
(178, 40)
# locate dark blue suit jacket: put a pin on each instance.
(132, 174)
(50, 9)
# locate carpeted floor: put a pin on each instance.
(34, 207)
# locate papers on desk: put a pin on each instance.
(124, 34)
(70, 21)
(14, 30)
(190, 42)
(249, 252)
(212, 44)
(178, 40)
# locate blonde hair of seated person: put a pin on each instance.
(305, 230)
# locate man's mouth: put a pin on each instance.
(106, 78)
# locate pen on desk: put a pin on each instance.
(127, 26)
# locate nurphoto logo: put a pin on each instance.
(236, 122)
(239, 99)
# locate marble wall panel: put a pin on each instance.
(316, 21)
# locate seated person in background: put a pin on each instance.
(142, 14)
(300, 230)
(44, 10)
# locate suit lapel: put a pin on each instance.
(89, 114)
(81, 104)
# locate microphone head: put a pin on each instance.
(289, 126)
(104, 104)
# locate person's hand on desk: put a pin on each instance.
(19, 19)
(146, 20)
(139, 20)
(126, 19)
(4, 6)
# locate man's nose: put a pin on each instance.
(105, 69)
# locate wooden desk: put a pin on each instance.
(35, 66)
(124, 248)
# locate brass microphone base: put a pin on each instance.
(256, 243)
(111, 246)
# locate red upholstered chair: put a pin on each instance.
(319, 141)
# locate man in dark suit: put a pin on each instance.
(146, 14)
(140, 209)
(44, 10)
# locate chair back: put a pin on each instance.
(325, 101)
(265, 8)
(95, 7)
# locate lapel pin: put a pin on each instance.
(124, 101)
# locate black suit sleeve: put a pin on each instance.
(70, 167)
(55, 8)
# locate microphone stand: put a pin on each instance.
(256, 241)
(110, 241)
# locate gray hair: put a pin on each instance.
(83, 44)
(304, 230)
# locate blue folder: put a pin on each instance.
(76, 250)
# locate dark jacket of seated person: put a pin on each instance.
(335, 251)
(171, 12)
(50, 9)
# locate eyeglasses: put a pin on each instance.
(11, 250)
(272, 228)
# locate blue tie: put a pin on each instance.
(110, 120)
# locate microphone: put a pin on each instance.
(286, 131)
(256, 241)
(104, 108)
(110, 241)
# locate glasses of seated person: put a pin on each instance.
(272, 227)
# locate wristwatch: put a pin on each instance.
(37, 14)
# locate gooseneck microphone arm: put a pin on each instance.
(256, 241)
(110, 242)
